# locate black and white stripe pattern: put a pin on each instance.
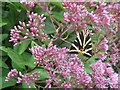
(82, 44)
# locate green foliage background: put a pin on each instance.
(19, 57)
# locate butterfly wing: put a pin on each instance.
(82, 42)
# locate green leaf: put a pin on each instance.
(55, 1)
(16, 5)
(22, 47)
(2, 24)
(11, 17)
(33, 43)
(43, 73)
(3, 37)
(49, 28)
(29, 60)
(69, 36)
(3, 53)
(63, 44)
(87, 68)
(89, 27)
(3, 77)
(46, 43)
(58, 16)
(92, 59)
(88, 63)
(3, 48)
(32, 85)
(82, 57)
(18, 61)
(90, 9)
(3, 64)
(58, 4)
(4, 58)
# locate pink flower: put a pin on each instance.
(45, 55)
(75, 14)
(49, 81)
(19, 80)
(12, 73)
(72, 67)
(86, 79)
(114, 54)
(58, 63)
(109, 71)
(101, 56)
(103, 45)
(100, 82)
(98, 68)
(32, 30)
(101, 17)
(113, 7)
(104, 75)
(113, 80)
(93, 17)
(67, 17)
(27, 79)
(66, 85)
(28, 3)
(15, 36)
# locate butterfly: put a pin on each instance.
(82, 44)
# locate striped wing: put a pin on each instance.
(82, 44)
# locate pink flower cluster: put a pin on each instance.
(58, 64)
(47, 58)
(46, 55)
(27, 79)
(67, 70)
(103, 47)
(15, 36)
(112, 8)
(103, 75)
(33, 29)
(78, 15)
(28, 3)
(114, 55)
(72, 69)
(12, 73)
(75, 14)
(100, 17)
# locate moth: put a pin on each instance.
(82, 44)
